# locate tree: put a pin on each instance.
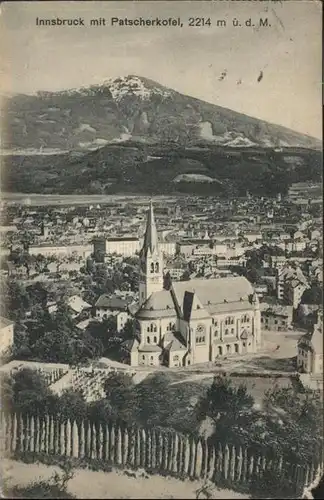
(294, 422)
(72, 405)
(15, 300)
(223, 402)
(152, 400)
(313, 295)
(119, 390)
(128, 330)
(26, 391)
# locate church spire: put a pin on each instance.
(150, 243)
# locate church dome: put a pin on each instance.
(158, 305)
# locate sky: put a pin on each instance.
(188, 59)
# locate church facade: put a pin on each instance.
(190, 322)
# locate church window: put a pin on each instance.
(200, 334)
(155, 339)
(229, 320)
(176, 358)
(236, 347)
(220, 350)
(226, 331)
(157, 267)
(152, 357)
(215, 333)
(228, 348)
(245, 318)
(232, 331)
(148, 328)
(152, 267)
(148, 340)
(143, 357)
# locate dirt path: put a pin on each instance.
(89, 484)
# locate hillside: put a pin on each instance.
(134, 168)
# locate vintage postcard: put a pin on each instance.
(161, 249)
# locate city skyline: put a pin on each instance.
(288, 53)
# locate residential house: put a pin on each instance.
(310, 349)
(276, 317)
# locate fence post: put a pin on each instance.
(125, 446)
(112, 443)
(106, 441)
(205, 459)
(118, 446)
(199, 460)
(68, 444)
(232, 463)
(36, 433)
(131, 447)
(226, 461)
(82, 439)
(142, 437)
(251, 466)
(136, 447)
(186, 460)
(239, 465)
(14, 430)
(62, 438)
(192, 457)
(175, 446)
(148, 458)
(245, 465)
(159, 449)
(211, 462)
(219, 462)
(153, 450)
(75, 440)
(165, 451)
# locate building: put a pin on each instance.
(192, 321)
(291, 284)
(126, 246)
(276, 318)
(6, 335)
(310, 349)
(61, 250)
(107, 306)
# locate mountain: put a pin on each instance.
(132, 135)
(134, 108)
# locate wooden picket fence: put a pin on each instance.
(155, 450)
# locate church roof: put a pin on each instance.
(218, 295)
(150, 348)
(199, 298)
(175, 345)
(150, 243)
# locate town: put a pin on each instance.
(88, 257)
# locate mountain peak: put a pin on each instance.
(134, 85)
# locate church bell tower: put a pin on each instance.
(151, 261)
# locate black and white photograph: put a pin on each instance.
(161, 249)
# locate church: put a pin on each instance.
(189, 322)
